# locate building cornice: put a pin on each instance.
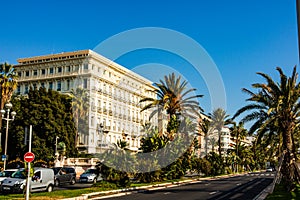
(82, 54)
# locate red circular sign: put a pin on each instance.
(29, 157)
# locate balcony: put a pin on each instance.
(101, 144)
(104, 110)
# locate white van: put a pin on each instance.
(43, 180)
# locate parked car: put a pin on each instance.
(270, 169)
(90, 175)
(6, 173)
(43, 180)
(64, 175)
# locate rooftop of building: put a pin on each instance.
(76, 55)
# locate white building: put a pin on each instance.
(212, 140)
(225, 140)
(114, 93)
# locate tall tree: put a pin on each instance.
(8, 82)
(173, 96)
(50, 115)
(219, 120)
(238, 132)
(275, 106)
(80, 106)
(205, 130)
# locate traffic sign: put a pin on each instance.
(3, 157)
(29, 157)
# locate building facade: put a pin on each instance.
(114, 94)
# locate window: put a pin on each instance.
(114, 125)
(50, 85)
(19, 74)
(59, 70)
(26, 89)
(85, 83)
(18, 90)
(43, 85)
(68, 85)
(51, 70)
(37, 176)
(34, 72)
(85, 66)
(58, 85)
(27, 73)
(92, 120)
(43, 71)
(68, 69)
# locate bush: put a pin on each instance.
(15, 164)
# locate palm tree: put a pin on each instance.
(80, 106)
(275, 110)
(174, 97)
(205, 130)
(8, 82)
(212, 141)
(219, 120)
(239, 133)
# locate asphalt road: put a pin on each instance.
(242, 187)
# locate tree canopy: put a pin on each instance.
(50, 114)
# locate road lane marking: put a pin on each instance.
(211, 193)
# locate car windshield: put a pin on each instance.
(6, 173)
(90, 171)
(19, 174)
(56, 170)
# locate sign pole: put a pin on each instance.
(29, 165)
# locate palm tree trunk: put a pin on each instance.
(288, 170)
(206, 145)
(219, 142)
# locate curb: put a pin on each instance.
(263, 194)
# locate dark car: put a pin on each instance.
(64, 175)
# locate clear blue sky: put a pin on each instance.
(241, 36)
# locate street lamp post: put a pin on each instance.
(56, 153)
(9, 114)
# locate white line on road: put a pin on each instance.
(213, 192)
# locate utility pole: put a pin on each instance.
(29, 165)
